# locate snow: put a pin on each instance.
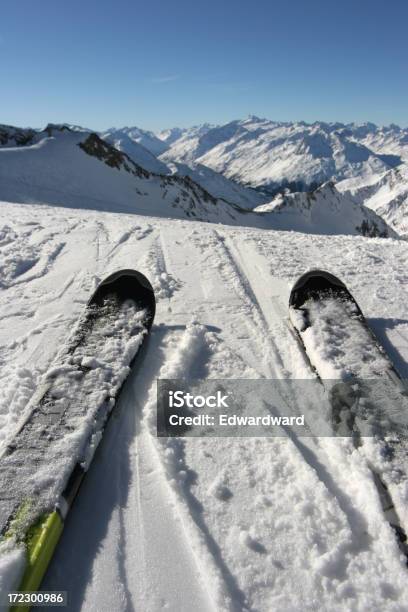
(205, 523)
(140, 155)
(219, 186)
(147, 139)
(270, 154)
(12, 564)
(326, 210)
(78, 170)
(390, 140)
(171, 135)
(342, 348)
(337, 343)
(387, 195)
(57, 171)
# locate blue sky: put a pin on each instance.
(157, 63)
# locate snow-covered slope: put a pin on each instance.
(213, 182)
(387, 195)
(142, 156)
(170, 135)
(206, 524)
(391, 140)
(218, 185)
(324, 211)
(271, 155)
(78, 169)
(143, 137)
(198, 140)
(186, 138)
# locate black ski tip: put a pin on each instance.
(127, 285)
(313, 284)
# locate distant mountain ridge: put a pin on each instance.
(387, 195)
(272, 156)
(261, 154)
(149, 140)
(143, 156)
(129, 140)
(327, 209)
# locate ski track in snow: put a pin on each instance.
(205, 524)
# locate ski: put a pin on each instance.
(42, 468)
(361, 381)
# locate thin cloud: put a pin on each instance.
(165, 79)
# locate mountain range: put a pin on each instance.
(247, 172)
(270, 155)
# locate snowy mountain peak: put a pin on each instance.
(136, 151)
(171, 135)
(272, 156)
(81, 169)
(51, 128)
(14, 137)
(387, 195)
(146, 138)
(326, 211)
(102, 150)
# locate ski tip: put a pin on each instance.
(127, 275)
(315, 282)
(127, 284)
